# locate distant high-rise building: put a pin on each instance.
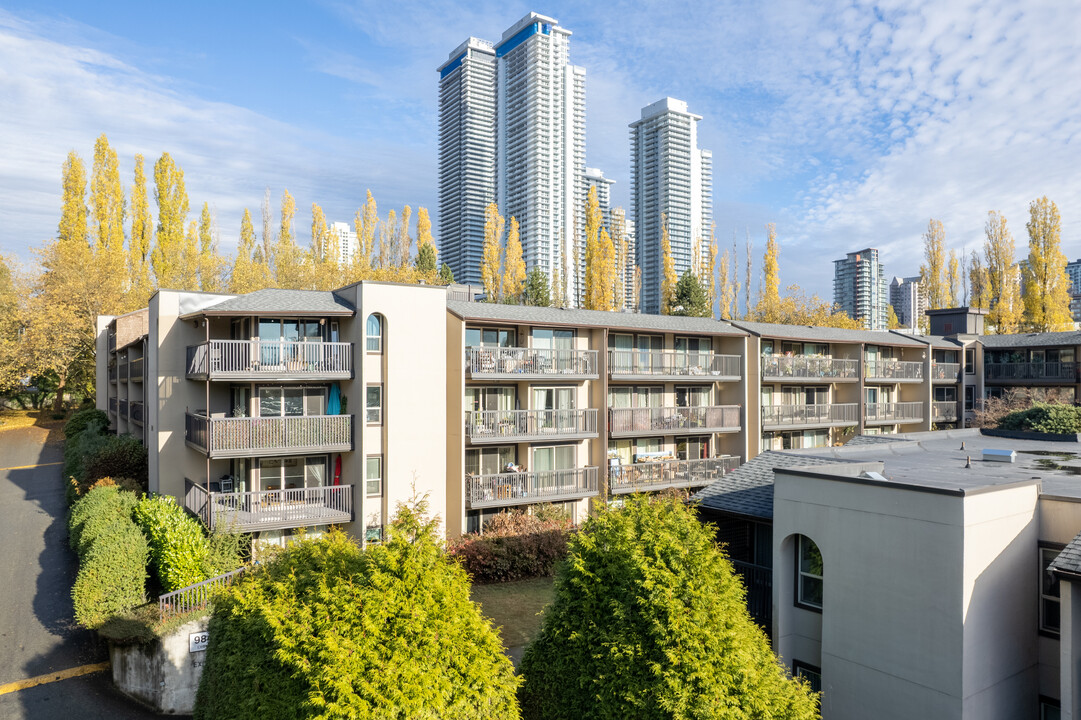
(860, 288)
(347, 242)
(673, 177)
(512, 131)
(466, 155)
(1073, 270)
(595, 178)
(908, 301)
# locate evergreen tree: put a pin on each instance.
(514, 274)
(1007, 311)
(446, 275)
(668, 271)
(649, 622)
(1046, 284)
(933, 273)
(691, 298)
(492, 259)
(536, 289)
(426, 259)
(167, 257)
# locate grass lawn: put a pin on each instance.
(43, 419)
(515, 607)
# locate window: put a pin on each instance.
(808, 574)
(970, 394)
(1050, 709)
(945, 394)
(810, 673)
(489, 337)
(374, 403)
(692, 448)
(292, 473)
(490, 460)
(1049, 593)
(373, 475)
(970, 361)
(375, 333)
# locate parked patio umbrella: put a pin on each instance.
(334, 402)
(338, 470)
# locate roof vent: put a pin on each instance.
(1006, 456)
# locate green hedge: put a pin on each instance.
(1045, 418)
(81, 419)
(120, 456)
(92, 516)
(92, 438)
(514, 546)
(178, 548)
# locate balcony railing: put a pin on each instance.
(945, 372)
(270, 509)
(900, 412)
(135, 412)
(759, 583)
(112, 405)
(894, 370)
(799, 367)
(112, 373)
(122, 372)
(944, 411)
(522, 488)
(135, 370)
(1062, 371)
(123, 409)
(484, 426)
(673, 420)
(263, 436)
(660, 364)
(661, 474)
(778, 417)
(258, 359)
(500, 363)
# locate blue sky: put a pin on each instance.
(847, 124)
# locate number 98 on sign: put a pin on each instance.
(197, 642)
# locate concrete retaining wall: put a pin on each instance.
(162, 674)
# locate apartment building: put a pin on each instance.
(860, 288)
(908, 301)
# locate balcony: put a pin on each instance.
(268, 436)
(112, 374)
(495, 363)
(672, 365)
(661, 474)
(524, 488)
(270, 509)
(135, 370)
(945, 372)
(634, 422)
(759, 583)
(136, 410)
(493, 426)
(1047, 371)
(944, 411)
(781, 368)
(897, 371)
(276, 360)
(793, 417)
(122, 371)
(123, 409)
(889, 413)
(112, 405)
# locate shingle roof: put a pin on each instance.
(828, 334)
(938, 341)
(875, 440)
(281, 302)
(1069, 560)
(1049, 339)
(529, 315)
(748, 490)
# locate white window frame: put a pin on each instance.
(368, 409)
(368, 337)
(368, 479)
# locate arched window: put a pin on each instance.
(808, 574)
(375, 333)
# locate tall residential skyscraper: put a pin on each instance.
(1073, 271)
(595, 178)
(467, 121)
(908, 301)
(512, 131)
(347, 242)
(670, 176)
(860, 288)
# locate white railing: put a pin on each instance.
(522, 488)
(893, 412)
(945, 371)
(810, 368)
(669, 473)
(492, 425)
(270, 509)
(195, 597)
(944, 411)
(672, 363)
(823, 414)
(481, 361)
(667, 420)
(893, 370)
(268, 435)
(269, 358)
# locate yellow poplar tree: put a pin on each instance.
(668, 271)
(405, 242)
(933, 278)
(953, 279)
(290, 270)
(142, 232)
(73, 212)
(1046, 284)
(1006, 311)
(492, 259)
(246, 276)
(724, 310)
(619, 239)
(980, 291)
(369, 218)
(424, 229)
(769, 304)
(211, 264)
(711, 267)
(604, 272)
(189, 264)
(107, 210)
(592, 291)
(388, 233)
(167, 257)
(514, 273)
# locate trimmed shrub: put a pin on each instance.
(76, 450)
(514, 546)
(649, 622)
(1045, 418)
(93, 515)
(112, 574)
(120, 456)
(81, 419)
(326, 630)
(178, 549)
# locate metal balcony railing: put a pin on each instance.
(270, 509)
(135, 370)
(759, 583)
(523, 425)
(673, 420)
(945, 372)
(122, 371)
(1063, 371)
(659, 364)
(122, 409)
(944, 411)
(822, 415)
(893, 370)
(112, 373)
(522, 488)
(135, 412)
(661, 474)
(264, 436)
(112, 405)
(526, 363)
(902, 412)
(259, 359)
(800, 367)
